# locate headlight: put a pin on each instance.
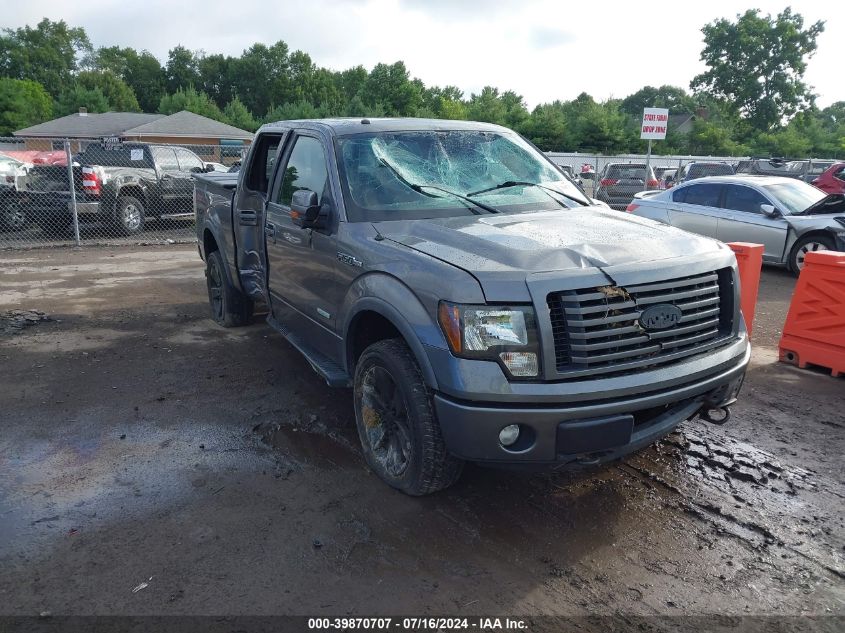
(505, 334)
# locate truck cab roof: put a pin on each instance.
(358, 125)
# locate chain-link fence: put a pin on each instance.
(58, 191)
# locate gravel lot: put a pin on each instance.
(153, 463)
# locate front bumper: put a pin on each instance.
(582, 431)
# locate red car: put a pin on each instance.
(832, 180)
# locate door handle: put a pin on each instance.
(248, 218)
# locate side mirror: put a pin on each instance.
(306, 212)
(769, 210)
(209, 169)
(198, 170)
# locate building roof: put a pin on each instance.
(89, 125)
(188, 124)
(181, 124)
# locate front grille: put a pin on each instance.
(597, 330)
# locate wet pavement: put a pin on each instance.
(153, 463)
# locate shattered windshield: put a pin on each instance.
(409, 175)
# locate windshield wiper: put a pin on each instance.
(522, 183)
(421, 189)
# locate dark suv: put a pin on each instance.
(619, 182)
(692, 171)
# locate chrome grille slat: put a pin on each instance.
(597, 330)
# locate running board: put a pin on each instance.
(334, 374)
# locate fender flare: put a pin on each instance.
(413, 322)
(234, 281)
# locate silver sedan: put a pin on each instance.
(788, 216)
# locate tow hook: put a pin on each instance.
(715, 415)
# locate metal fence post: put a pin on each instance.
(72, 194)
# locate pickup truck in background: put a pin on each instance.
(476, 302)
(122, 187)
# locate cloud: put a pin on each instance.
(549, 37)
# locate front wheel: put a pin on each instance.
(809, 244)
(13, 217)
(229, 306)
(399, 432)
(129, 215)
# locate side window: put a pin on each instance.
(680, 195)
(188, 160)
(261, 164)
(704, 195)
(839, 173)
(165, 158)
(744, 199)
(306, 169)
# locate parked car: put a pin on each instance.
(808, 170)
(121, 186)
(788, 216)
(619, 182)
(475, 302)
(13, 179)
(666, 177)
(832, 180)
(692, 171)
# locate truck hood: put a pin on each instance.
(589, 237)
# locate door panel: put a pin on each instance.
(742, 221)
(695, 208)
(249, 212)
(302, 276)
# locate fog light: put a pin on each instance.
(520, 363)
(509, 435)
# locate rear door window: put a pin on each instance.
(703, 195)
(165, 158)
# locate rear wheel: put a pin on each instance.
(809, 244)
(399, 432)
(229, 306)
(129, 215)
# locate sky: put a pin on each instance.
(541, 49)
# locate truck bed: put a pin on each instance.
(221, 183)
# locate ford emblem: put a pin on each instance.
(660, 316)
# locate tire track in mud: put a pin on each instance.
(725, 472)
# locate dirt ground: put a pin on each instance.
(154, 463)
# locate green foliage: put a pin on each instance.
(48, 54)
(676, 99)
(192, 101)
(235, 113)
(182, 69)
(22, 103)
(78, 97)
(757, 63)
(141, 71)
(120, 97)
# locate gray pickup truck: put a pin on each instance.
(477, 303)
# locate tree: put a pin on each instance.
(120, 97)
(757, 63)
(547, 127)
(192, 101)
(235, 113)
(181, 70)
(22, 103)
(676, 99)
(71, 100)
(215, 78)
(390, 86)
(49, 54)
(261, 76)
(141, 71)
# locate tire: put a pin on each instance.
(805, 245)
(13, 217)
(229, 306)
(129, 215)
(399, 432)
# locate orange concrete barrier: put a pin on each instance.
(814, 331)
(749, 257)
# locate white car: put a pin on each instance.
(788, 216)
